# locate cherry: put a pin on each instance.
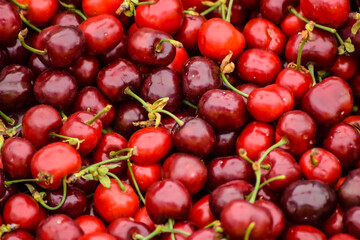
(345, 31)
(239, 214)
(3, 189)
(163, 82)
(66, 159)
(299, 129)
(61, 226)
(292, 25)
(36, 65)
(225, 169)
(348, 194)
(115, 77)
(90, 99)
(329, 101)
(163, 15)
(112, 203)
(345, 67)
(299, 206)
(167, 199)
(23, 210)
(97, 236)
(334, 225)
(85, 70)
(90, 224)
(16, 83)
(16, 157)
(217, 37)
(199, 75)
(150, 46)
(224, 144)
(225, 110)
(182, 226)
(152, 145)
(258, 66)
(342, 236)
(227, 192)
(254, 138)
(55, 88)
(319, 164)
(17, 54)
(142, 216)
(275, 10)
(10, 23)
(200, 214)
(18, 235)
(304, 232)
(351, 221)
(37, 124)
(195, 136)
(179, 61)
(119, 51)
(66, 18)
(187, 169)
(262, 33)
(318, 11)
(123, 229)
(342, 140)
(102, 33)
(203, 234)
(145, 175)
(3, 57)
(270, 102)
(93, 8)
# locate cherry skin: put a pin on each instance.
(66, 18)
(224, 144)
(152, 145)
(187, 169)
(22, 209)
(262, 33)
(304, 232)
(61, 226)
(239, 214)
(90, 99)
(217, 37)
(55, 88)
(348, 194)
(291, 24)
(334, 225)
(119, 51)
(200, 214)
(66, 159)
(111, 203)
(11, 25)
(3, 188)
(319, 164)
(199, 75)
(37, 124)
(329, 101)
(16, 156)
(115, 77)
(299, 129)
(227, 192)
(90, 224)
(275, 10)
(178, 63)
(97, 236)
(123, 229)
(318, 11)
(145, 175)
(351, 221)
(167, 199)
(203, 234)
(17, 54)
(258, 66)
(36, 65)
(345, 67)
(93, 8)
(342, 236)
(85, 70)
(225, 169)
(225, 110)
(143, 217)
(18, 235)
(15, 86)
(102, 33)
(163, 15)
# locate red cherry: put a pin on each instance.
(18, 235)
(334, 225)
(345, 67)
(143, 217)
(145, 175)
(276, 10)
(90, 224)
(10, 23)
(179, 61)
(304, 232)
(40, 12)
(124, 229)
(292, 25)
(93, 8)
(200, 214)
(342, 236)
(97, 236)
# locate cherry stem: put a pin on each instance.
(121, 185)
(63, 116)
(242, 153)
(6, 228)
(113, 154)
(72, 141)
(232, 87)
(339, 38)
(191, 11)
(311, 69)
(190, 104)
(177, 44)
(28, 23)
(99, 114)
(257, 168)
(180, 122)
(280, 177)
(210, 225)
(72, 8)
(158, 230)
(313, 161)
(210, 9)
(171, 223)
(8, 119)
(19, 5)
(228, 16)
(301, 47)
(248, 230)
(145, 3)
(331, 30)
(132, 94)
(8, 183)
(134, 181)
(21, 36)
(11, 132)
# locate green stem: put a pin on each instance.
(21, 36)
(19, 5)
(42, 202)
(210, 9)
(8, 119)
(121, 185)
(135, 183)
(298, 59)
(156, 232)
(271, 180)
(145, 3)
(313, 161)
(72, 141)
(228, 16)
(171, 115)
(248, 230)
(223, 15)
(311, 69)
(132, 94)
(8, 183)
(190, 104)
(99, 114)
(177, 44)
(72, 8)
(113, 154)
(210, 225)
(171, 227)
(232, 87)
(28, 23)
(339, 38)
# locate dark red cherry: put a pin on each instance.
(200, 214)
(16, 84)
(292, 25)
(3, 188)
(55, 88)
(182, 226)
(85, 70)
(9, 191)
(10, 23)
(345, 67)
(276, 10)
(345, 32)
(124, 229)
(66, 18)
(224, 144)
(17, 54)
(119, 51)
(334, 225)
(145, 175)
(36, 65)
(351, 221)
(18, 235)
(348, 193)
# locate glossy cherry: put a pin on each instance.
(200, 214)
(182, 226)
(97, 236)
(124, 228)
(93, 8)
(66, 18)
(348, 194)
(39, 12)
(345, 67)
(85, 70)
(145, 175)
(10, 23)
(304, 232)
(275, 10)
(351, 221)
(18, 235)
(224, 144)
(90, 224)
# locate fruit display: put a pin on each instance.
(179, 119)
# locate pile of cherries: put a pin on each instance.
(179, 119)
